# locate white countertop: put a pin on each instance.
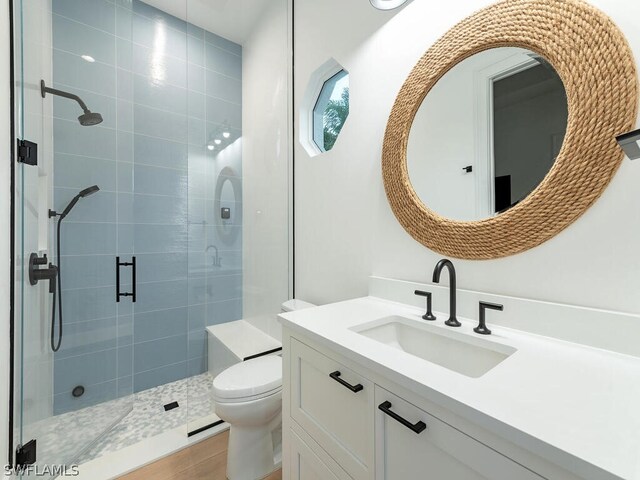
(576, 406)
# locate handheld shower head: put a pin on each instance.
(87, 119)
(84, 193)
(89, 191)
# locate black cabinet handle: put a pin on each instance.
(354, 388)
(418, 427)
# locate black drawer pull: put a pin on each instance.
(354, 388)
(417, 427)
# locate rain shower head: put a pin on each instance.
(87, 119)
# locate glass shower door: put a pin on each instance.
(73, 378)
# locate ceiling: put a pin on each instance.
(231, 19)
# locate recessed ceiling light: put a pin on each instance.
(226, 134)
(88, 58)
(217, 141)
(387, 4)
(211, 147)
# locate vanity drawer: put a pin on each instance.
(410, 443)
(307, 464)
(335, 406)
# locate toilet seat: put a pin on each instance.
(250, 380)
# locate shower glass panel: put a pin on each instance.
(73, 380)
(180, 119)
(215, 203)
(238, 186)
(160, 136)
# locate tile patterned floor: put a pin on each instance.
(148, 417)
(61, 437)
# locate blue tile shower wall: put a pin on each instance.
(165, 88)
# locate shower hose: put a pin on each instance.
(55, 344)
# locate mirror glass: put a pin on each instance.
(487, 134)
(228, 207)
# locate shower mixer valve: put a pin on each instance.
(36, 273)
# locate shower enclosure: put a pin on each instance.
(162, 133)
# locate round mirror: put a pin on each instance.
(228, 205)
(487, 134)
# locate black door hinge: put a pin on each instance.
(27, 152)
(26, 455)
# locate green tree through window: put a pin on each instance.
(331, 110)
(334, 117)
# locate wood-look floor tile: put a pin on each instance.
(206, 460)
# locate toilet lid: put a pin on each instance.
(249, 379)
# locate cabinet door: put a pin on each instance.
(306, 465)
(438, 452)
(334, 405)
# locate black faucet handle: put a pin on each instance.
(482, 324)
(429, 315)
(491, 306)
(43, 260)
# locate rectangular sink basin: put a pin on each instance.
(456, 351)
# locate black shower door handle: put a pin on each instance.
(131, 264)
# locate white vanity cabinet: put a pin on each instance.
(335, 406)
(341, 424)
(412, 444)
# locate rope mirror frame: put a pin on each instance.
(596, 65)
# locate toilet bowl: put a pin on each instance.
(248, 396)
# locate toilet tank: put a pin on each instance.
(295, 304)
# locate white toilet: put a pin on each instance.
(248, 396)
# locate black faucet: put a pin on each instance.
(452, 321)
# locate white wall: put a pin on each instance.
(265, 162)
(345, 230)
(5, 226)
